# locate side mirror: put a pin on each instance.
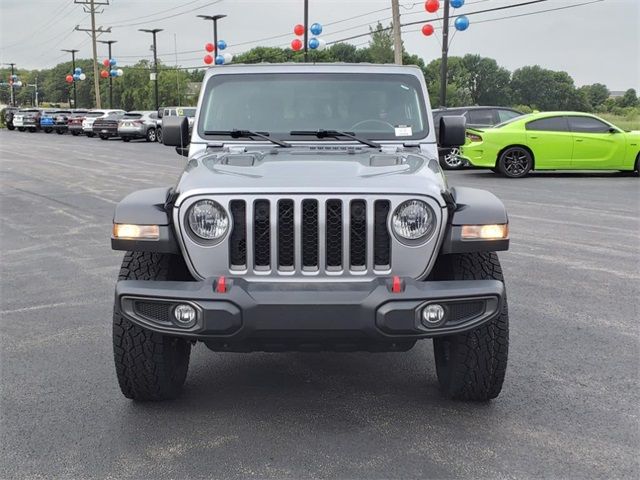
(160, 112)
(452, 131)
(175, 131)
(614, 130)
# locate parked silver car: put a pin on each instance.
(138, 124)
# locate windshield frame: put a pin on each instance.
(406, 78)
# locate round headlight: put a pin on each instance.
(413, 220)
(208, 220)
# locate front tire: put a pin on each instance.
(451, 160)
(149, 366)
(515, 162)
(472, 365)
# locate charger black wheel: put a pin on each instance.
(149, 366)
(472, 365)
(515, 162)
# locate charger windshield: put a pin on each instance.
(375, 106)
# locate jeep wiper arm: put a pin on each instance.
(335, 134)
(247, 134)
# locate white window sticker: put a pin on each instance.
(403, 130)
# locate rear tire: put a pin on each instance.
(159, 135)
(472, 365)
(149, 366)
(151, 135)
(451, 160)
(515, 162)
(10, 127)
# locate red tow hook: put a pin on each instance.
(396, 284)
(221, 285)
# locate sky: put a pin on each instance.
(597, 42)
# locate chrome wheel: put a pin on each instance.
(515, 162)
(151, 135)
(452, 159)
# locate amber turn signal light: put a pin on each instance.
(127, 231)
(485, 232)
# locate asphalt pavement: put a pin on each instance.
(569, 407)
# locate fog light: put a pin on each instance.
(433, 314)
(185, 315)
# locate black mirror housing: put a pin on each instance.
(452, 131)
(175, 131)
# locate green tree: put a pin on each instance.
(596, 94)
(486, 82)
(629, 99)
(546, 90)
(381, 44)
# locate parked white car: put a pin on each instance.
(87, 123)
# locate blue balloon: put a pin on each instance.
(314, 43)
(219, 60)
(76, 76)
(222, 44)
(78, 70)
(113, 72)
(112, 62)
(316, 29)
(461, 23)
(457, 3)
(14, 77)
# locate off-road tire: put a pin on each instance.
(151, 135)
(515, 162)
(149, 366)
(472, 365)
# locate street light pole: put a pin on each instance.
(214, 19)
(73, 69)
(155, 60)
(109, 42)
(445, 54)
(13, 95)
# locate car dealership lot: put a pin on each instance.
(569, 407)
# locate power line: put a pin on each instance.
(157, 13)
(42, 27)
(167, 17)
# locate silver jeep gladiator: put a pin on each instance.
(312, 214)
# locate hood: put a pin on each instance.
(310, 171)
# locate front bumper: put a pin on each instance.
(250, 315)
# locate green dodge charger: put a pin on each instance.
(552, 141)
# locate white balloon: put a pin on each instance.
(18, 83)
(119, 72)
(322, 44)
(83, 76)
(227, 57)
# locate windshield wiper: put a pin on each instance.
(247, 134)
(335, 134)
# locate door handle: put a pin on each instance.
(578, 140)
(533, 138)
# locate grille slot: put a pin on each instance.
(156, 311)
(238, 239)
(464, 310)
(310, 235)
(262, 235)
(286, 241)
(381, 237)
(334, 234)
(358, 234)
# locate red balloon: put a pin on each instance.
(432, 6)
(296, 44)
(69, 78)
(427, 29)
(208, 59)
(298, 29)
(104, 74)
(209, 47)
(105, 62)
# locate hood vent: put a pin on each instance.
(385, 160)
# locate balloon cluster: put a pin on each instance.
(461, 23)
(220, 59)
(113, 71)
(77, 75)
(315, 43)
(14, 81)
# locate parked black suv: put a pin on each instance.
(477, 117)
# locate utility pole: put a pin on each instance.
(89, 6)
(13, 98)
(155, 60)
(306, 30)
(397, 38)
(214, 19)
(73, 69)
(110, 42)
(445, 54)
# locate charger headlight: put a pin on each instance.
(413, 220)
(208, 220)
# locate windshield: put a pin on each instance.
(375, 106)
(511, 120)
(132, 115)
(94, 114)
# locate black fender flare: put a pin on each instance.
(474, 207)
(147, 207)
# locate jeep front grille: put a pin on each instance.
(310, 235)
